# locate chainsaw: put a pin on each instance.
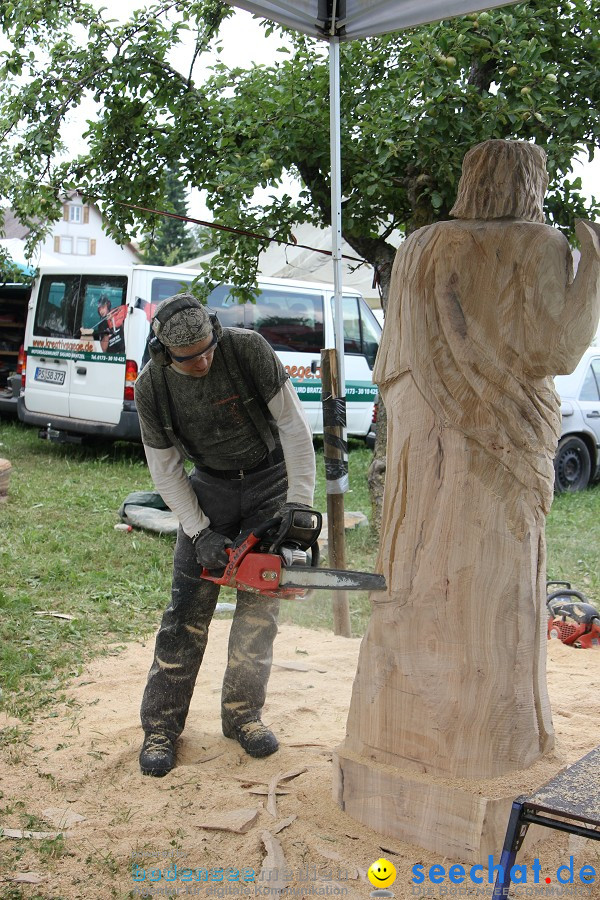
(280, 558)
(571, 618)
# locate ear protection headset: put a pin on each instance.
(159, 353)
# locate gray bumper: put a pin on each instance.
(8, 404)
(126, 429)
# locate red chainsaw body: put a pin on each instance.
(258, 573)
(573, 634)
(572, 619)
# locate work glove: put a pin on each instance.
(302, 520)
(210, 549)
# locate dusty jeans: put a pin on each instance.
(232, 506)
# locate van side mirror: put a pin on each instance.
(314, 365)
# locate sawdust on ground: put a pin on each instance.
(80, 760)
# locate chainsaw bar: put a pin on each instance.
(330, 579)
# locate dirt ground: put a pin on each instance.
(79, 772)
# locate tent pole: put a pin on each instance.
(336, 196)
(335, 446)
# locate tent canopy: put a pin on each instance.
(360, 18)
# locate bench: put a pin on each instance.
(572, 794)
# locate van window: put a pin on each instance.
(67, 303)
(289, 321)
(229, 311)
(162, 288)
(362, 331)
(95, 291)
(57, 306)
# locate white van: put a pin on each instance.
(87, 332)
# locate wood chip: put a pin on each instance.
(324, 746)
(263, 792)
(272, 796)
(274, 865)
(237, 820)
(283, 823)
(20, 834)
(62, 818)
(295, 666)
(55, 615)
(249, 781)
(293, 773)
(277, 779)
(26, 878)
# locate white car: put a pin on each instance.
(577, 460)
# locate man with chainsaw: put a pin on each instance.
(222, 399)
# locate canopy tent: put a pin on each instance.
(351, 19)
(346, 20)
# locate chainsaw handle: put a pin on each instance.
(566, 584)
(565, 593)
(260, 531)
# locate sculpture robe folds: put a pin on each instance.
(451, 677)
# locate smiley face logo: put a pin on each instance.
(381, 873)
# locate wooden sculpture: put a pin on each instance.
(451, 680)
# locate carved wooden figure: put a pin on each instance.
(451, 681)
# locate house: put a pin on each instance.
(79, 233)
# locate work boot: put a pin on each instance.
(157, 756)
(253, 737)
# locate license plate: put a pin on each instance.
(51, 376)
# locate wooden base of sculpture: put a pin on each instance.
(460, 820)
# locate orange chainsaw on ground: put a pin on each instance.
(280, 558)
(571, 617)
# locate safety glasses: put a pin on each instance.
(203, 353)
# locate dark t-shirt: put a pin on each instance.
(116, 337)
(208, 414)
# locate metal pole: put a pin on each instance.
(340, 486)
(333, 452)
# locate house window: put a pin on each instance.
(82, 247)
(76, 213)
(66, 245)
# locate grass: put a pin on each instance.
(59, 552)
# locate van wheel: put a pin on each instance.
(572, 465)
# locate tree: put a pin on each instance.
(170, 242)
(412, 104)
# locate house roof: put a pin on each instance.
(12, 228)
